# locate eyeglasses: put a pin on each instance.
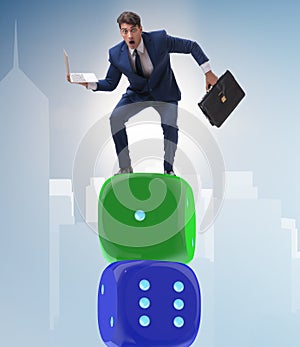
(126, 31)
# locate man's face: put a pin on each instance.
(131, 34)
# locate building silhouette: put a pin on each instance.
(24, 240)
(61, 208)
(253, 271)
(92, 196)
(290, 224)
(76, 264)
(246, 264)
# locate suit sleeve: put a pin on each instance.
(111, 80)
(179, 45)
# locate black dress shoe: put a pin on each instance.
(171, 172)
(126, 170)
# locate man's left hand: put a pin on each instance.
(84, 84)
(211, 79)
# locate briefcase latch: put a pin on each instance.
(223, 98)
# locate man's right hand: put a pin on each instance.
(84, 84)
(211, 79)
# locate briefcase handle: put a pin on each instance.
(219, 84)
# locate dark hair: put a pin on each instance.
(129, 18)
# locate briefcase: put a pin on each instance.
(221, 99)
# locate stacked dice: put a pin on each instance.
(148, 296)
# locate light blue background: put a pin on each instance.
(258, 42)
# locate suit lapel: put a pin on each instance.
(150, 48)
(124, 59)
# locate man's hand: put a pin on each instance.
(211, 79)
(84, 84)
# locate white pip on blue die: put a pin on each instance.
(148, 303)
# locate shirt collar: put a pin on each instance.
(140, 48)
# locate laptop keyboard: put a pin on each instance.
(78, 77)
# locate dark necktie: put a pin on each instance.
(138, 64)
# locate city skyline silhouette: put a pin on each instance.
(247, 264)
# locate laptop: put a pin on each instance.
(78, 77)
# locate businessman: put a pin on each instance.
(144, 58)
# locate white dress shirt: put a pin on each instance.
(146, 63)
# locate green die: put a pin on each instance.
(147, 216)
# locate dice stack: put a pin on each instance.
(148, 296)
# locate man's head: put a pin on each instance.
(130, 28)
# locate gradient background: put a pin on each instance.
(256, 40)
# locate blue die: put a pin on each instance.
(148, 303)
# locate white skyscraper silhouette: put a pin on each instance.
(24, 149)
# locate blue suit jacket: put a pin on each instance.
(161, 85)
